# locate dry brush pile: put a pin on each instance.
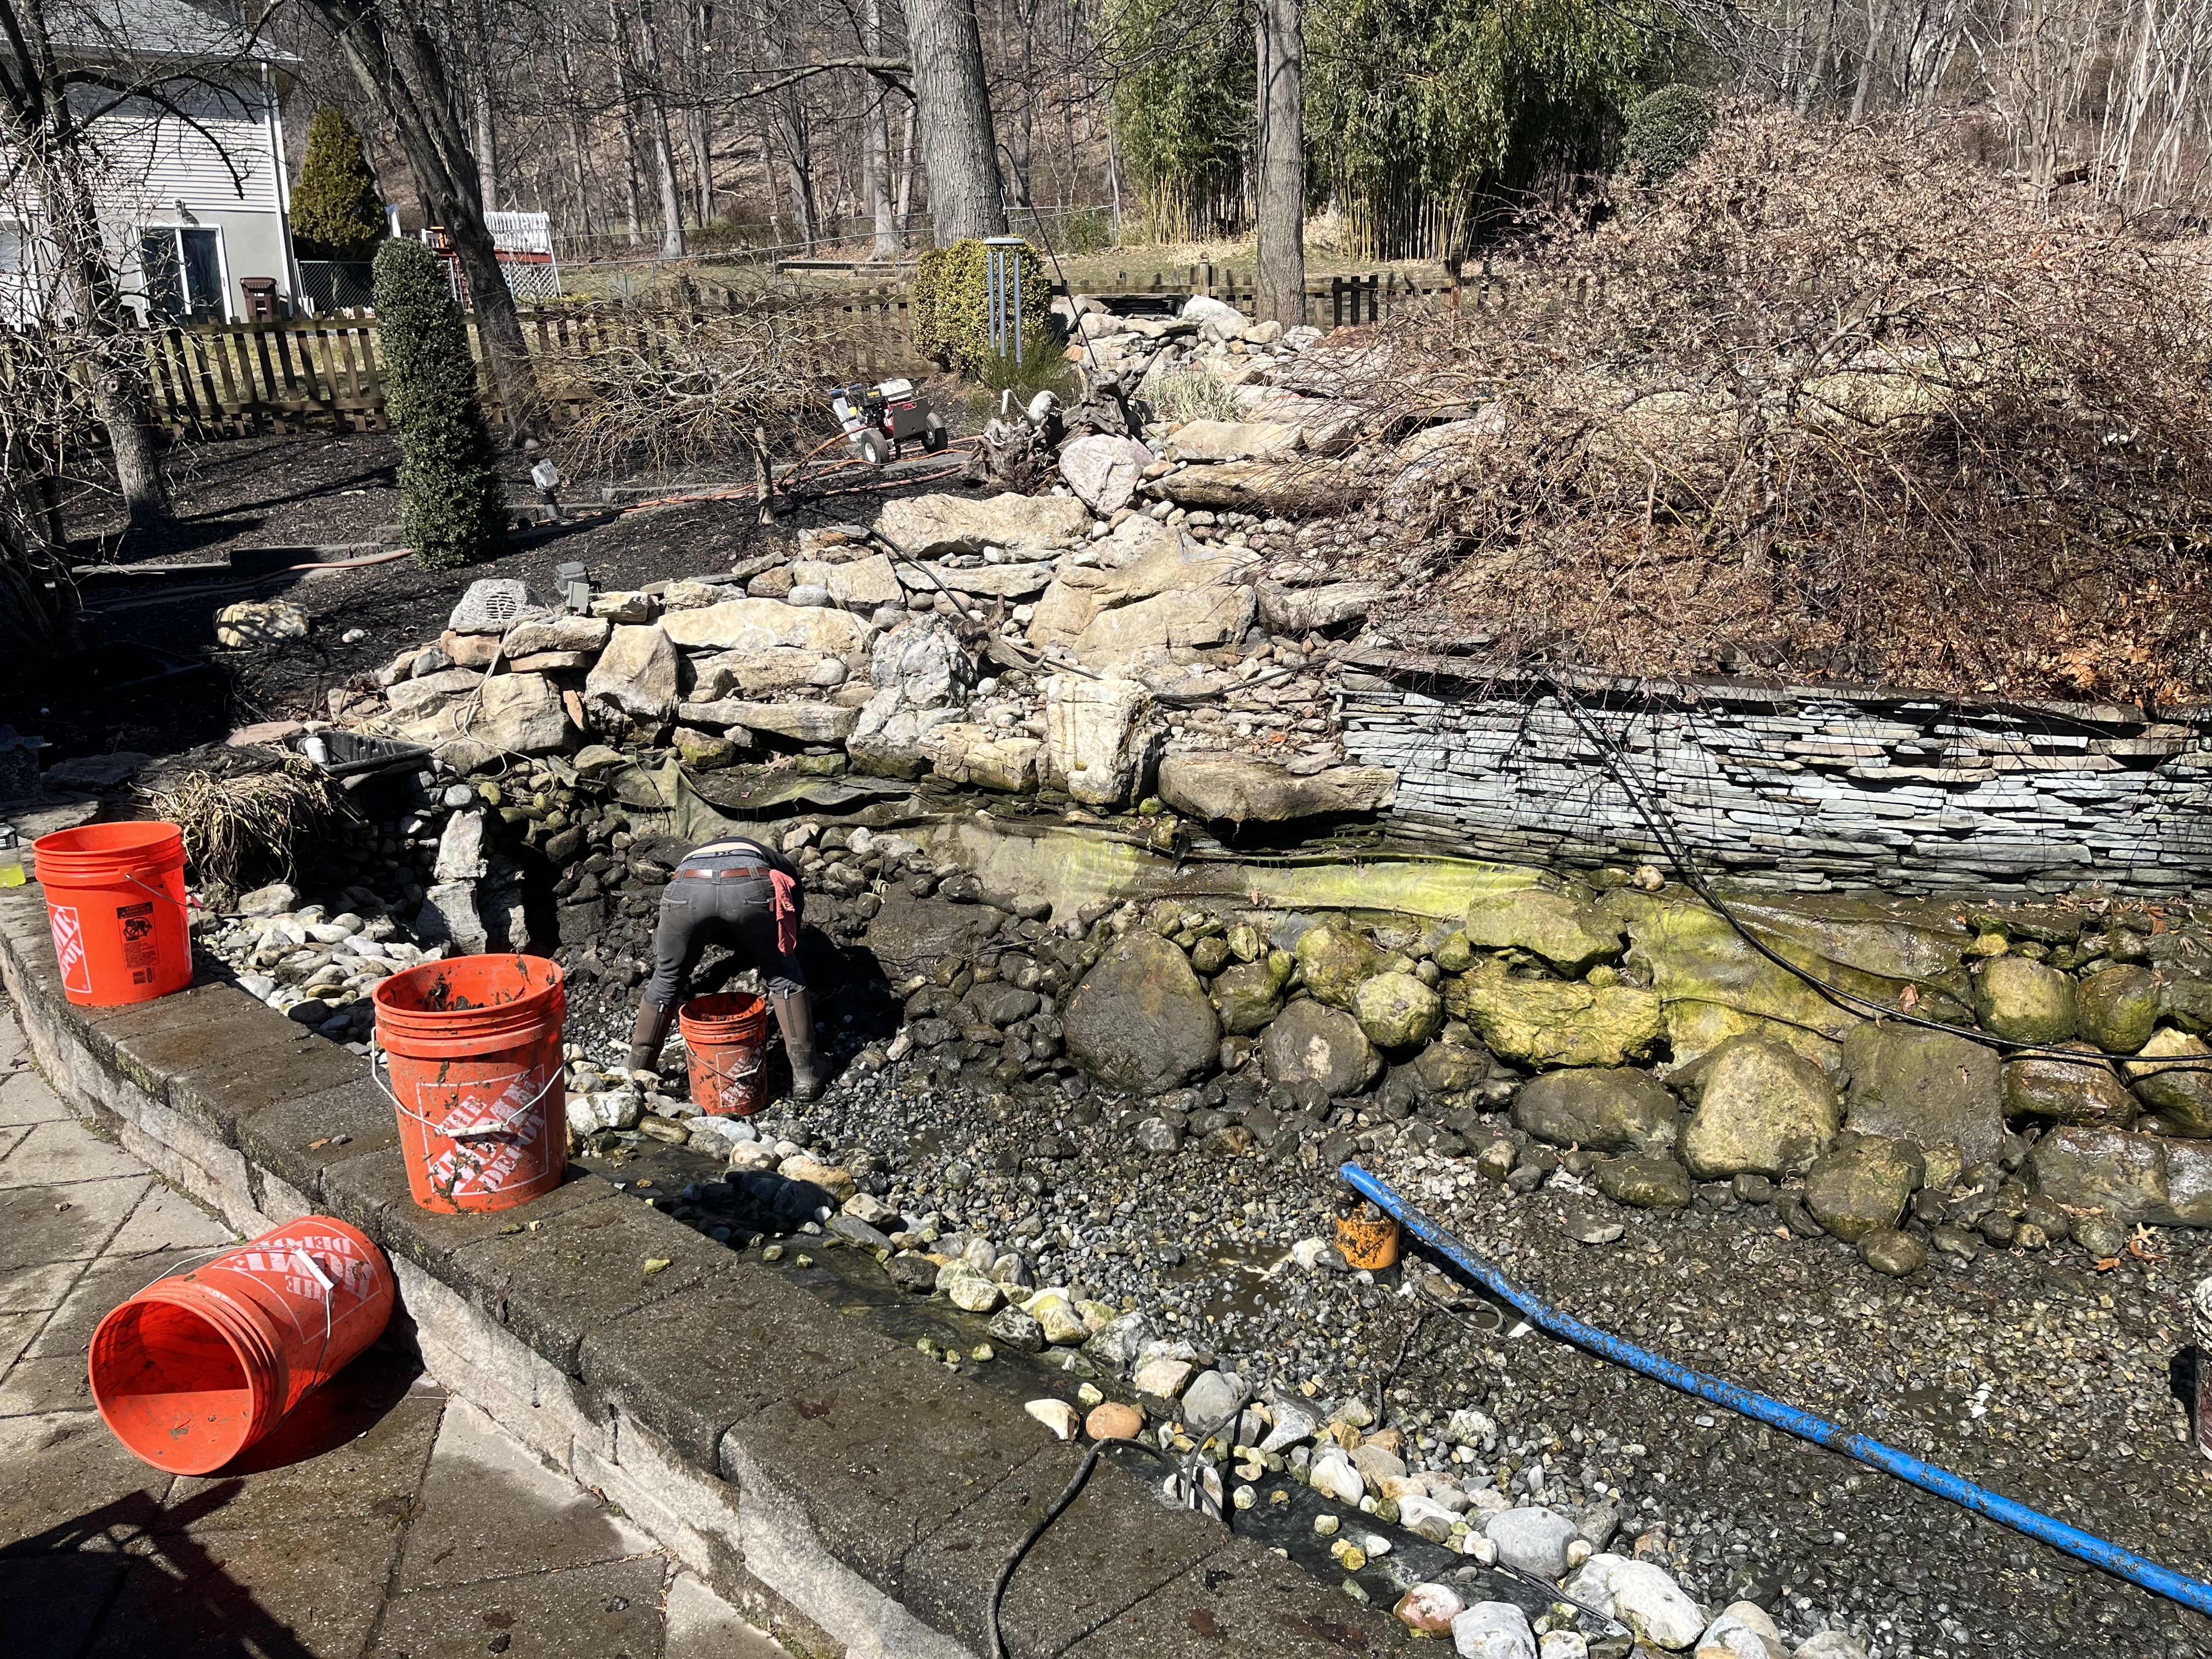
(1838, 404)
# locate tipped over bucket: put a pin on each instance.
(725, 1035)
(474, 1046)
(115, 900)
(200, 1365)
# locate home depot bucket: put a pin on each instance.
(725, 1035)
(200, 1365)
(474, 1047)
(115, 899)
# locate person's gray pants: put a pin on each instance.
(696, 913)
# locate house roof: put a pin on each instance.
(156, 28)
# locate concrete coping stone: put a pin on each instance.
(882, 1493)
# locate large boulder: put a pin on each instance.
(985, 756)
(635, 676)
(1198, 619)
(2178, 1089)
(1334, 960)
(857, 585)
(2131, 1177)
(1397, 1011)
(511, 714)
(2024, 1000)
(1271, 488)
(1104, 471)
(1232, 441)
(1761, 1107)
(929, 526)
(910, 932)
(925, 662)
(1608, 1109)
(417, 699)
(1310, 1043)
(1930, 1087)
(1862, 1186)
(2117, 1009)
(758, 624)
(1101, 743)
(755, 673)
(1297, 611)
(1232, 789)
(1546, 1022)
(1141, 1020)
(1572, 936)
(2085, 1090)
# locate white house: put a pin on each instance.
(190, 177)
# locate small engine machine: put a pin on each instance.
(880, 421)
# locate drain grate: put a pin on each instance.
(492, 605)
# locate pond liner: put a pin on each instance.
(2098, 1553)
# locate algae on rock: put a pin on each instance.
(1546, 1022)
(1761, 1108)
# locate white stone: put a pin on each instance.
(925, 662)
(1057, 1415)
(927, 526)
(1101, 743)
(1742, 1631)
(461, 849)
(1332, 1472)
(1426, 1516)
(1533, 1540)
(1562, 1645)
(1830, 1645)
(1493, 1629)
(1643, 1596)
(1104, 471)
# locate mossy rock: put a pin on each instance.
(1448, 1068)
(1862, 1186)
(1568, 934)
(1334, 961)
(1761, 1110)
(2055, 1090)
(2024, 1000)
(1248, 995)
(1397, 1011)
(1643, 1183)
(1608, 1109)
(2186, 999)
(2117, 1009)
(1930, 1087)
(1546, 1023)
(2180, 1090)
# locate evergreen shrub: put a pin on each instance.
(451, 510)
(336, 210)
(1667, 129)
(951, 307)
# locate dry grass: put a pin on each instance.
(244, 828)
(1840, 405)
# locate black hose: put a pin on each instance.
(996, 1647)
(1663, 832)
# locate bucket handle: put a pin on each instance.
(204, 1261)
(189, 905)
(505, 1125)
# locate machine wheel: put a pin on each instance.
(934, 437)
(875, 448)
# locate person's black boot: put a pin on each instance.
(647, 1038)
(794, 1015)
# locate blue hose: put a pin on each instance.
(2097, 1552)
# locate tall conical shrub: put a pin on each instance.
(335, 208)
(452, 510)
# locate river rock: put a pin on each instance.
(1312, 1042)
(1643, 1183)
(1606, 1109)
(1113, 1421)
(929, 526)
(1211, 1399)
(1546, 1022)
(1235, 789)
(1104, 471)
(1742, 1630)
(2024, 1000)
(1532, 1540)
(2117, 1008)
(1862, 1185)
(1058, 1416)
(1427, 1517)
(1829, 1644)
(1572, 936)
(1493, 1629)
(1248, 994)
(1931, 1087)
(1297, 610)
(1759, 1108)
(2058, 1090)
(1012, 1328)
(636, 676)
(1397, 1011)
(756, 624)
(1889, 1251)
(2179, 1092)
(1332, 1472)
(1100, 742)
(1335, 961)
(1141, 1020)
(1430, 1608)
(1642, 1596)
(1115, 1343)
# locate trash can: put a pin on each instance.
(260, 298)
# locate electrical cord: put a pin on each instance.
(1663, 831)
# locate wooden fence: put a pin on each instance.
(231, 379)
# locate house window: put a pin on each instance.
(184, 274)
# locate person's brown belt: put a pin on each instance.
(731, 873)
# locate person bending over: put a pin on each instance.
(735, 892)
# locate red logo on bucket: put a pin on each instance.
(492, 1134)
(68, 947)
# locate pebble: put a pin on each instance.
(1493, 1629)
(1532, 1540)
(1113, 1421)
(1430, 1608)
(1057, 1415)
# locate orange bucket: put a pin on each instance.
(115, 899)
(1368, 1239)
(199, 1366)
(725, 1035)
(474, 1049)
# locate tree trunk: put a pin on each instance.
(399, 71)
(487, 141)
(1809, 87)
(655, 105)
(876, 145)
(959, 145)
(903, 206)
(1281, 283)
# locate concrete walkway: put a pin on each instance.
(381, 1520)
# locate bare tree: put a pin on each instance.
(1281, 281)
(959, 144)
